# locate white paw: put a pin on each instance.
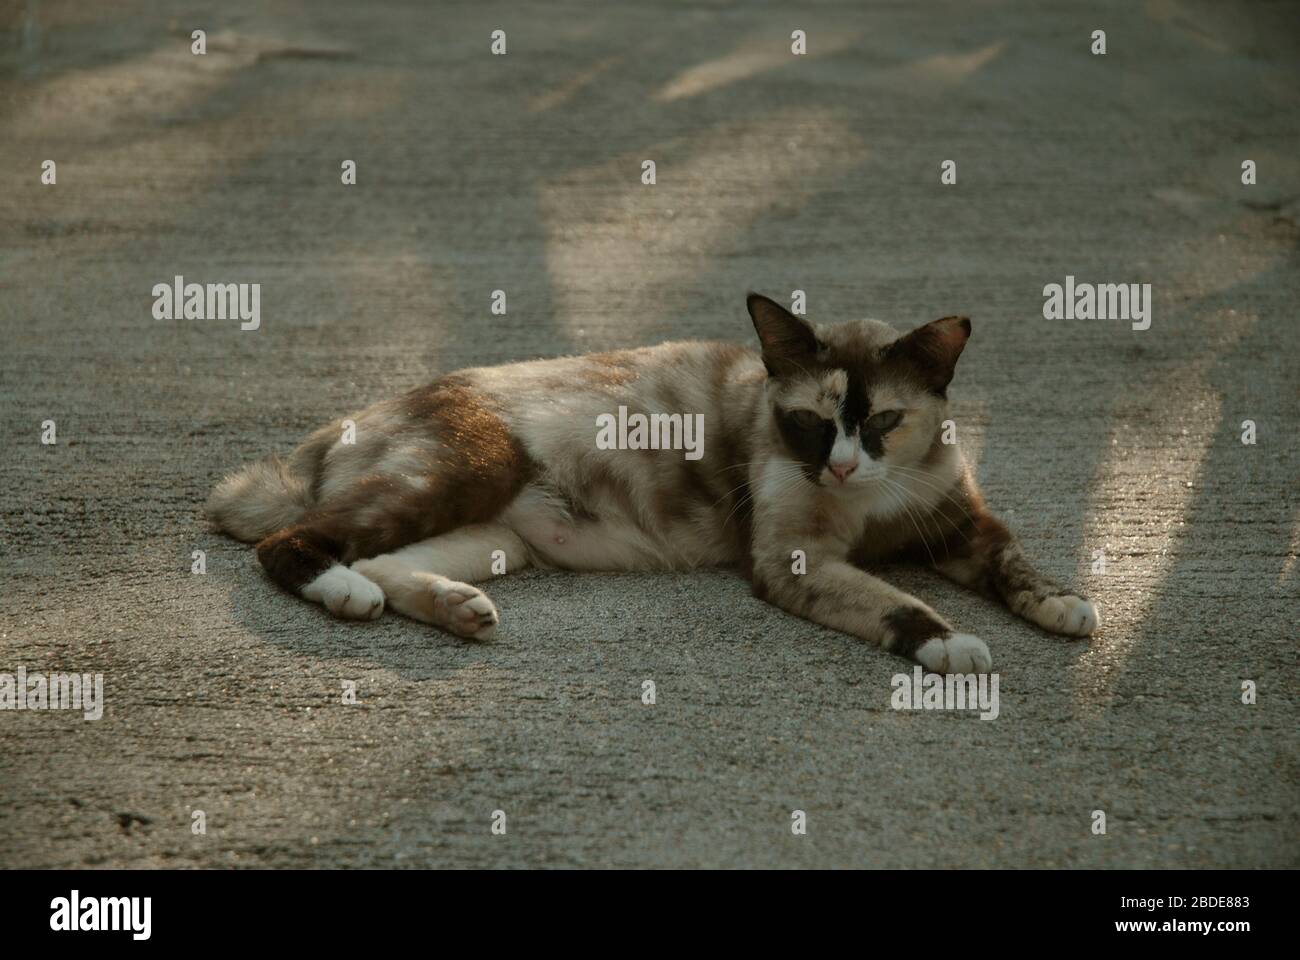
(1070, 615)
(346, 593)
(960, 653)
(464, 610)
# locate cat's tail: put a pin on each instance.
(261, 498)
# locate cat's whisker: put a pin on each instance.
(785, 482)
(747, 463)
(747, 481)
(927, 480)
(891, 487)
(936, 516)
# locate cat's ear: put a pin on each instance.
(789, 342)
(932, 350)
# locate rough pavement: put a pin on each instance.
(522, 172)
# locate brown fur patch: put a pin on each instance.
(478, 467)
(600, 370)
(295, 556)
(909, 628)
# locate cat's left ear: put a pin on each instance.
(932, 350)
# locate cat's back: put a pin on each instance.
(679, 367)
(554, 404)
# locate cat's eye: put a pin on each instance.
(884, 421)
(807, 420)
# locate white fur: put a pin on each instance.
(1070, 615)
(960, 653)
(556, 538)
(346, 593)
(463, 554)
(423, 581)
(846, 451)
(463, 609)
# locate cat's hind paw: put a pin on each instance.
(346, 594)
(464, 610)
(1068, 614)
(959, 653)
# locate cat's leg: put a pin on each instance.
(839, 595)
(313, 558)
(305, 559)
(428, 463)
(427, 580)
(982, 554)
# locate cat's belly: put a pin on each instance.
(611, 541)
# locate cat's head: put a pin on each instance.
(852, 401)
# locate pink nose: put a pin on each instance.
(842, 470)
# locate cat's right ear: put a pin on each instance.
(789, 342)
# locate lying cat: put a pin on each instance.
(818, 458)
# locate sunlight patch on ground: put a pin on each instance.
(947, 69)
(566, 91)
(756, 55)
(1161, 436)
(641, 237)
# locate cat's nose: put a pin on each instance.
(842, 470)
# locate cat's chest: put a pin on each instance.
(882, 539)
(864, 527)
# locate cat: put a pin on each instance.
(823, 456)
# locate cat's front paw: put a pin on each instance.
(1068, 614)
(959, 653)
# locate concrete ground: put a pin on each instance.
(522, 173)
